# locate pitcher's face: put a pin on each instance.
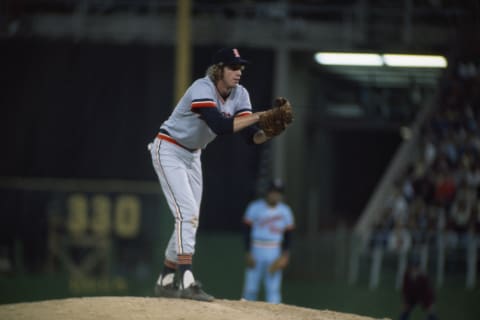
(232, 75)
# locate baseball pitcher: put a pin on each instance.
(213, 105)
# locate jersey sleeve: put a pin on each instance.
(202, 96)
(244, 106)
(250, 214)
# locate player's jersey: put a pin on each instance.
(184, 124)
(268, 224)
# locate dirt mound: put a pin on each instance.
(133, 308)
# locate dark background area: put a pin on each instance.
(88, 110)
(359, 156)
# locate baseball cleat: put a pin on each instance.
(195, 292)
(168, 291)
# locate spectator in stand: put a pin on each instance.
(459, 222)
(430, 149)
(398, 204)
(448, 148)
(473, 176)
(472, 146)
(466, 192)
(424, 186)
(381, 229)
(419, 224)
(400, 239)
(441, 189)
(469, 120)
(444, 189)
(407, 184)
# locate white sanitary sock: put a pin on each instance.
(165, 280)
(188, 279)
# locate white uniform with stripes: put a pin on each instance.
(179, 170)
(268, 226)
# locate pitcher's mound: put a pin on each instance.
(135, 308)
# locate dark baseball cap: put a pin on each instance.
(276, 185)
(228, 56)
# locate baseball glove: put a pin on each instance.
(279, 264)
(250, 261)
(275, 120)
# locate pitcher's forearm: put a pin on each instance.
(240, 123)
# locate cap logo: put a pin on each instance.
(236, 53)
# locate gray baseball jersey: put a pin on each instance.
(184, 124)
(179, 170)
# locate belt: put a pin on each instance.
(163, 134)
(266, 244)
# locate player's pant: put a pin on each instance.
(263, 257)
(180, 175)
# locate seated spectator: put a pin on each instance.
(440, 190)
(420, 224)
(430, 149)
(424, 186)
(398, 204)
(449, 148)
(408, 190)
(381, 230)
(400, 239)
(444, 189)
(473, 175)
(459, 222)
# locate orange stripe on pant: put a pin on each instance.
(171, 140)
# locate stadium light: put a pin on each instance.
(378, 60)
(348, 59)
(417, 61)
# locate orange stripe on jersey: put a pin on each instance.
(203, 104)
(243, 113)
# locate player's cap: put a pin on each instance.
(276, 185)
(228, 56)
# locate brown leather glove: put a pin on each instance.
(249, 260)
(280, 263)
(275, 120)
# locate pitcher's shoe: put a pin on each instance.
(195, 292)
(168, 291)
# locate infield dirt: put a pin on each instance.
(137, 308)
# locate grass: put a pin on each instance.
(219, 265)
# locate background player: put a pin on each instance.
(269, 224)
(417, 290)
(213, 105)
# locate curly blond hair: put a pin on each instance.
(215, 72)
